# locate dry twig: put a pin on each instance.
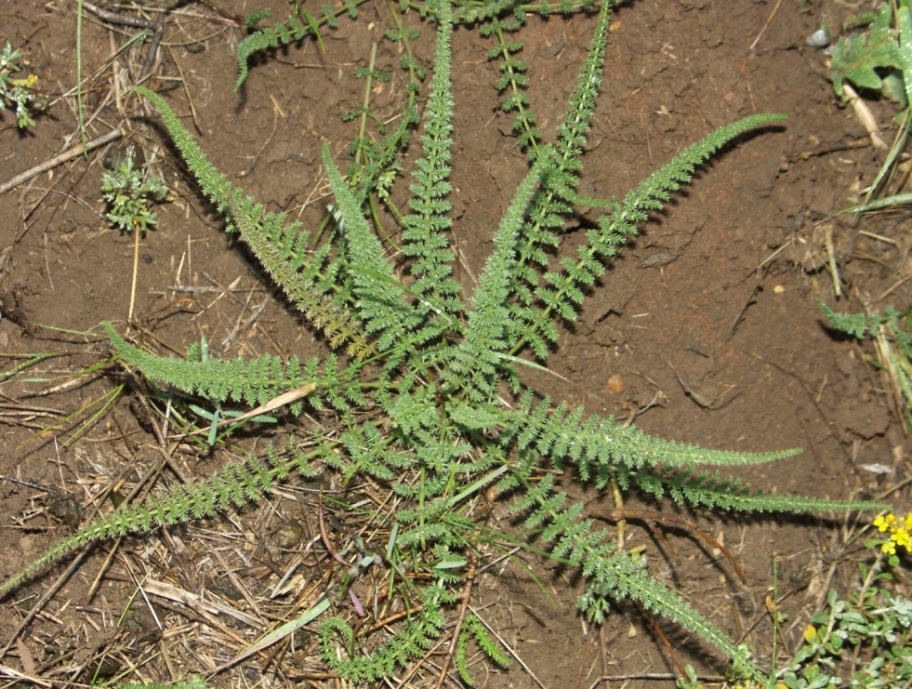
(74, 152)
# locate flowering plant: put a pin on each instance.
(899, 533)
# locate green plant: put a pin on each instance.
(872, 59)
(900, 534)
(891, 336)
(129, 191)
(427, 391)
(298, 26)
(16, 92)
(861, 643)
(878, 60)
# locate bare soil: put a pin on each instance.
(706, 330)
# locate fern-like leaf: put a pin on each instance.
(473, 627)
(713, 491)
(563, 292)
(254, 382)
(610, 575)
(858, 325)
(285, 33)
(554, 204)
(380, 299)
(600, 446)
(285, 261)
(404, 647)
(621, 577)
(513, 80)
(476, 360)
(235, 485)
(859, 57)
(425, 237)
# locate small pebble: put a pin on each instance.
(66, 509)
(819, 39)
(287, 535)
(658, 260)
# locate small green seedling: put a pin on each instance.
(129, 195)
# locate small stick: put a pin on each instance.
(115, 18)
(747, 304)
(10, 672)
(112, 135)
(831, 259)
(664, 639)
(325, 535)
(154, 44)
(136, 233)
(387, 621)
(603, 647)
(36, 486)
(892, 287)
(648, 516)
(766, 25)
(183, 81)
(865, 116)
(662, 676)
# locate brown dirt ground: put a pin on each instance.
(717, 294)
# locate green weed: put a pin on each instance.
(128, 191)
(861, 642)
(424, 383)
(878, 59)
(16, 93)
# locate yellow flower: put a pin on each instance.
(884, 523)
(903, 539)
(29, 82)
(899, 535)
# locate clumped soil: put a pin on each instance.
(706, 330)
